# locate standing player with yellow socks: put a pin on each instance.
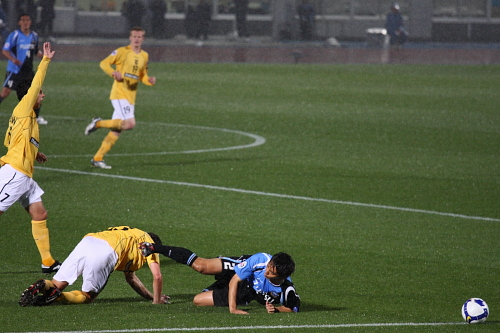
(130, 66)
(16, 175)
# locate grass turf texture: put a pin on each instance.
(420, 137)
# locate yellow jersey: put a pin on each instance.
(23, 135)
(125, 241)
(133, 67)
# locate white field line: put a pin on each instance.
(258, 140)
(285, 196)
(190, 329)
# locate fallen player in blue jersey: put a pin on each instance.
(239, 280)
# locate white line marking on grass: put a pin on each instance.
(171, 329)
(286, 196)
(258, 140)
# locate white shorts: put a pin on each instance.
(94, 259)
(16, 186)
(122, 109)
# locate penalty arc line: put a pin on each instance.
(269, 194)
(258, 140)
(187, 329)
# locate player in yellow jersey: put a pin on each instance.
(95, 258)
(16, 174)
(130, 67)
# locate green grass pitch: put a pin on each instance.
(383, 183)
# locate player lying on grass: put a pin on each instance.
(95, 258)
(239, 280)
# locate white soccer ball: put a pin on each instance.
(475, 311)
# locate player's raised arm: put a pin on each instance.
(47, 51)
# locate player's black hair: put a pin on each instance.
(155, 237)
(23, 14)
(284, 264)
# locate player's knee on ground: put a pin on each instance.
(204, 299)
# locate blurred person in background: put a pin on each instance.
(306, 18)
(241, 11)
(133, 11)
(20, 49)
(203, 18)
(190, 22)
(158, 9)
(47, 16)
(394, 25)
(4, 31)
(27, 6)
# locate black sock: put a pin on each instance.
(179, 254)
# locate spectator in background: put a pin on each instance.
(29, 7)
(203, 18)
(158, 9)
(46, 17)
(4, 31)
(133, 10)
(394, 26)
(241, 11)
(306, 19)
(190, 22)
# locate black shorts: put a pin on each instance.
(220, 287)
(246, 294)
(228, 263)
(19, 82)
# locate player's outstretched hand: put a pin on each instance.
(47, 52)
(270, 308)
(165, 299)
(238, 311)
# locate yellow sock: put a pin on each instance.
(114, 124)
(41, 236)
(72, 297)
(106, 146)
(48, 284)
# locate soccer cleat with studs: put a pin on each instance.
(51, 269)
(92, 126)
(147, 249)
(30, 295)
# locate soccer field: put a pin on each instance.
(382, 182)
